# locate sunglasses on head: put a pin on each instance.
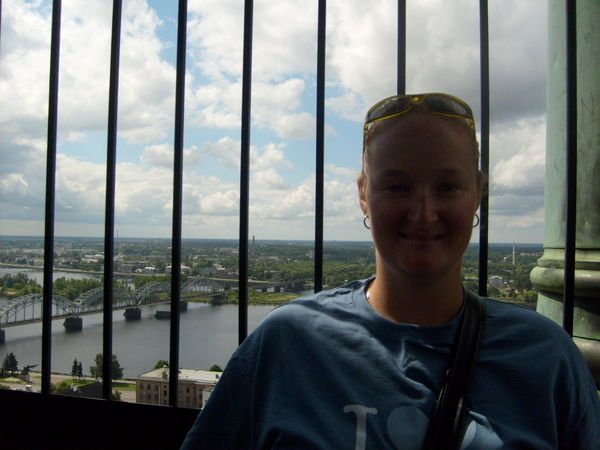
(435, 103)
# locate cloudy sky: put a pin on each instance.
(442, 55)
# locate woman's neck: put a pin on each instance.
(409, 299)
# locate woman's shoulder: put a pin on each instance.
(304, 320)
(503, 311)
(511, 324)
(326, 302)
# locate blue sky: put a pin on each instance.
(442, 55)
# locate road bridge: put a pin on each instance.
(27, 309)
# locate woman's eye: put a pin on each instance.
(397, 188)
(448, 188)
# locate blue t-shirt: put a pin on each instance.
(328, 372)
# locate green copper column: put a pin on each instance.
(547, 277)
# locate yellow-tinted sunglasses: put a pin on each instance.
(436, 103)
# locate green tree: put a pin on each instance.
(10, 364)
(75, 369)
(161, 363)
(116, 369)
(74, 288)
(19, 284)
(215, 368)
(58, 388)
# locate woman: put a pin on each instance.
(361, 366)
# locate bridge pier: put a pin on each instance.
(2, 336)
(73, 324)
(132, 314)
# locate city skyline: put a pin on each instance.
(360, 70)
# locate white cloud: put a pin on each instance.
(225, 150)
(216, 33)
(506, 226)
(442, 55)
(279, 53)
(162, 155)
(519, 152)
(147, 81)
(518, 59)
(23, 80)
(158, 155)
(217, 104)
(14, 185)
(145, 78)
(221, 203)
(265, 158)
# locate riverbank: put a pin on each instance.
(256, 298)
(33, 383)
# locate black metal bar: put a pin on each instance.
(485, 145)
(245, 171)
(401, 49)
(109, 212)
(571, 167)
(320, 146)
(50, 198)
(177, 203)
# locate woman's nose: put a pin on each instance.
(423, 209)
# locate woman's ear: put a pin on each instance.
(361, 182)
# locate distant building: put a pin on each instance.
(195, 387)
(208, 271)
(124, 267)
(184, 269)
(497, 282)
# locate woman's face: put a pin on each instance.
(420, 192)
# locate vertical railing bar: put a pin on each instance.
(245, 172)
(50, 198)
(401, 49)
(109, 212)
(177, 203)
(320, 145)
(485, 144)
(571, 166)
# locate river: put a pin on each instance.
(208, 335)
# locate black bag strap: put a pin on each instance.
(445, 431)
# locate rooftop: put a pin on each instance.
(190, 375)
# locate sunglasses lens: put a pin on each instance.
(436, 103)
(392, 105)
(448, 105)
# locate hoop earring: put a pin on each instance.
(477, 224)
(365, 222)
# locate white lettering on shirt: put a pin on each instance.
(361, 423)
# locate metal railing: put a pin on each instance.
(244, 173)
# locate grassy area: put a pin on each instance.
(117, 385)
(254, 298)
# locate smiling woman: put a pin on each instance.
(420, 190)
(372, 363)
(349, 367)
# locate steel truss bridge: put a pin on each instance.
(28, 308)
